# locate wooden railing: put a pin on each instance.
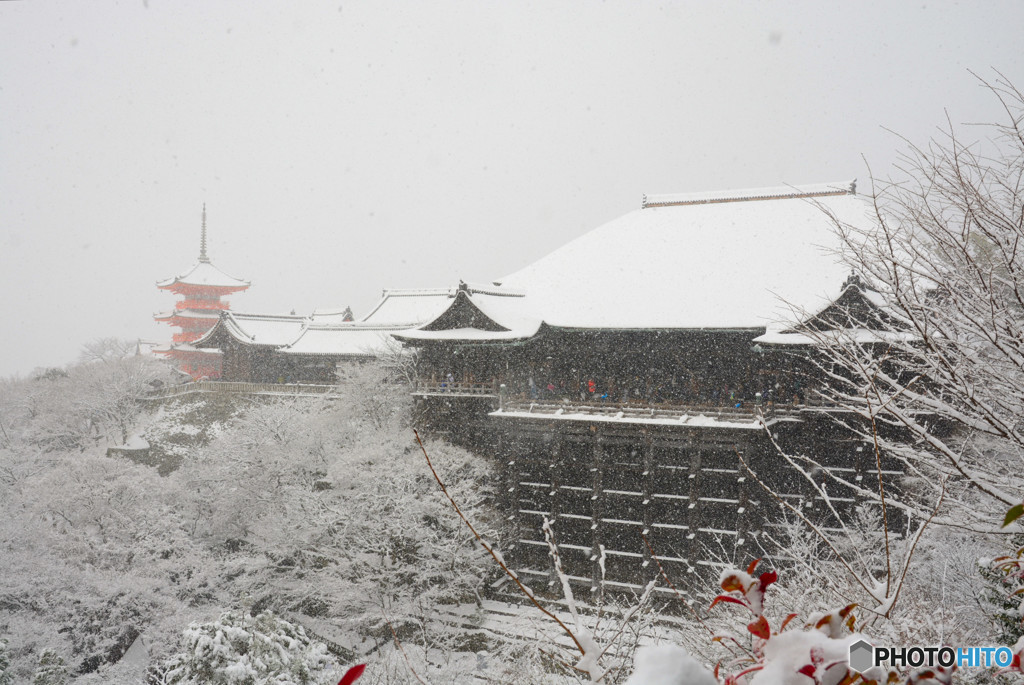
(485, 388)
(636, 410)
(241, 389)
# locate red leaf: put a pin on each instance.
(785, 623)
(808, 671)
(753, 565)
(732, 583)
(767, 578)
(726, 598)
(352, 675)
(760, 628)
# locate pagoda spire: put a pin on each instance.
(202, 240)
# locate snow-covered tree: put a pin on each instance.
(51, 670)
(945, 395)
(237, 649)
(88, 403)
(937, 390)
(6, 677)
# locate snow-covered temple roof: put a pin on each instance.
(342, 340)
(409, 307)
(723, 260)
(269, 330)
(481, 314)
(332, 332)
(747, 259)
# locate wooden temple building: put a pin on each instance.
(290, 348)
(635, 382)
(202, 288)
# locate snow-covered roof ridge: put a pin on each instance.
(750, 194)
(484, 288)
(415, 292)
(493, 289)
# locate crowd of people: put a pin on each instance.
(760, 388)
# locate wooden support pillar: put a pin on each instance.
(509, 454)
(743, 514)
(693, 520)
(554, 507)
(647, 494)
(597, 501)
(864, 476)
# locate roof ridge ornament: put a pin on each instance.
(854, 280)
(202, 240)
(787, 192)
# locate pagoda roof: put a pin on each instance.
(211, 314)
(204, 274)
(185, 349)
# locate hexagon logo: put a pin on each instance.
(861, 654)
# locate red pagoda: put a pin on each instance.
(202, 288)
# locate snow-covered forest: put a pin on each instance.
(256, 517)
(306, 506)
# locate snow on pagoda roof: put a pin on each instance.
(185, 347)
(409, 308)
(188, 314)
(738, 259)
(203, 273)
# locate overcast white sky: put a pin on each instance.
(347, 147)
